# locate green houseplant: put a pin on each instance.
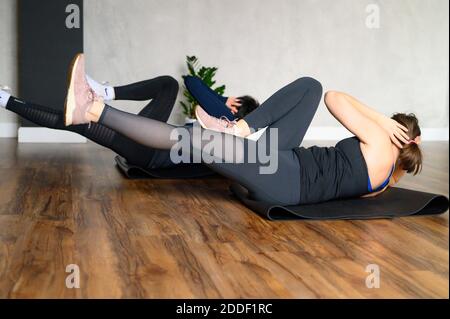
(206, 74)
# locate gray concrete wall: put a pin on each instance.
(261, 45)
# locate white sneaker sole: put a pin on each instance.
(70, 104)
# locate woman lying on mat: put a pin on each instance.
(162, 91)
(364, 165)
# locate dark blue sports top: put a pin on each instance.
(335, 172)
(213, 103)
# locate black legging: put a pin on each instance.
(161, 90)
(290, 110)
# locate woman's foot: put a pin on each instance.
(82, 105)
(105, 91)
(239, 128)
(219, 125)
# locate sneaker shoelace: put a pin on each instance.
(92, 97)
(225, 122)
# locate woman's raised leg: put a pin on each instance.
(289, 111)
(162, 90)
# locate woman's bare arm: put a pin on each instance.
(395, 131)
(363, 108)
(356, 119)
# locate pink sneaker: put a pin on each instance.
(82, 105)
(209, 122)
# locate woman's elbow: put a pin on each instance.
(331, 96)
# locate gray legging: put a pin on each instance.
(290, 111)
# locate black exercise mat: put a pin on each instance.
(394, 202)
(182, 171)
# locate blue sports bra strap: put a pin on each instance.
(386, 182)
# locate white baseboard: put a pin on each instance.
(46, 135)
(435, 134)
(339, 133)
(8, 130)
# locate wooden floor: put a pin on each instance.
(67, 204)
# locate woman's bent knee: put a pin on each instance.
(169, 82)
(311, 83)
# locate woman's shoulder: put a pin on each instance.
(377, 159)
(352, 141)
(379, 155)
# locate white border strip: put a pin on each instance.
(46, 135)
(8, 130)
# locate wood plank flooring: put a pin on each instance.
(67, 204)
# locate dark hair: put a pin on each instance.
(248, 105)
(410, 158)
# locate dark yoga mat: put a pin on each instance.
(394, 202)
(182, 171)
